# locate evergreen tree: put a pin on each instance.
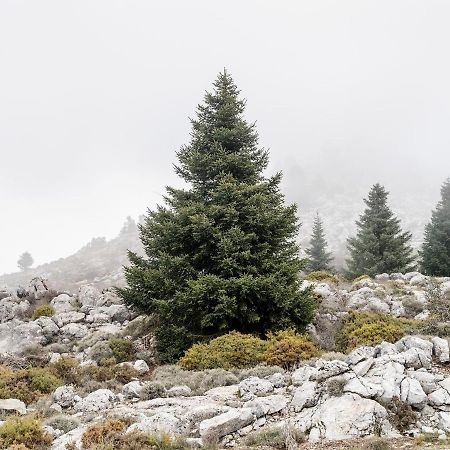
(319, 257)
(221, 254)
(380, 246)
(435, 254)
(25, 261)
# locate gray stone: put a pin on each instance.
(305, 396)
(179, 391)
(440, 349)
(99, 400)
(254, 387)
(62, 319)
(63, 303)
(64, 396)
(132, 389)
(161, 422)
(226, 423)
(12, 404)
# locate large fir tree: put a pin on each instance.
(318, 256)
(221, 254)
(435, 254)
(380, 245)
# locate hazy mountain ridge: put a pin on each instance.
(99, 263)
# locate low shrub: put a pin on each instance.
(412, 306)
(198, 381)
(287, 348)
(122, 349)
(63, 423)
(27, 384)
(335, 386)
(401, 414)
(361, 277)
(438, 302)
(26, 431)
(43, 310)
(364, 328)
(321, 277)
(110, 434)
(151, 390)
(232, 350)
(66, 369)
(274, 437)
(377, 444)
(103, 433)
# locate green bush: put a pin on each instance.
(232, 350)
(287, 348)
(361, 277)
(24, 430)
(321, 277)
(27, 384)
(122, 349)
(43, 310)
(364, 328)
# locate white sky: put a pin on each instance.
(95, 97)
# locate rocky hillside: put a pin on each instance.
(98, 263)
(86, 363)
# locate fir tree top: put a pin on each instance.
(222, 142)
(435, 252)
(380, 245)
(319, 257)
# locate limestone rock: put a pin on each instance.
(12, 404)
(226, 423)
(96, 401)
(64, 396)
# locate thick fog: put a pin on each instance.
(95, 97)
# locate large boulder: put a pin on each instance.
(62, 319)
(11, 308)
(15, 336)
(89, 297)
(63, 303)
(12, 404)
(64, 396)
(233, 420)
(263, 406)
(345, 417)
(254, 387)
(161, 422)
(441, 349)
(49, 327)
(96, 401)
(305, 396)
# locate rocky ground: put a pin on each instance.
(400, 391)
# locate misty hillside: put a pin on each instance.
(99, 263)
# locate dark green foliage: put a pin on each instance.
(380, 245)
(435, 252)
(220, 255)
(122, 349)
(318, 257)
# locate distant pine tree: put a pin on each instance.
(318, 256)
(380, 245)
(25, 261)
(435, 254)
(221, 255)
